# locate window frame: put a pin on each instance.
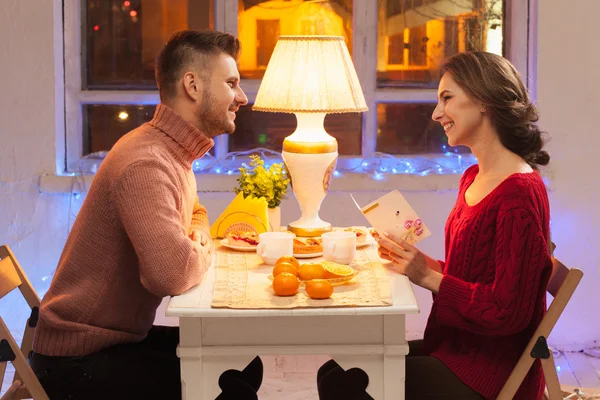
(518, 43)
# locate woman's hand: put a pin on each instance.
(409, 261)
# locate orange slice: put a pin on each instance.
(335, 270)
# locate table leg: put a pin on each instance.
(395, 351)
(190, 355)
(394, 376)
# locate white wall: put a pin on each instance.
(33, 224)
(36, 224)
(568, 81)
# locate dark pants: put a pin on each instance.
(427, 378)
(146, 370)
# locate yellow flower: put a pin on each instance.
(259, 181)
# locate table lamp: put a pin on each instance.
(310, 76)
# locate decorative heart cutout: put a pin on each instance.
(241, 385)
(334, 383)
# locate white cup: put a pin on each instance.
(273, 245)
(339, 246)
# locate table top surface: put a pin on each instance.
(196, 302)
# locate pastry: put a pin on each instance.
(304, 245)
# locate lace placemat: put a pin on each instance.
(242, 281)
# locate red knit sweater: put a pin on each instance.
(493, 293)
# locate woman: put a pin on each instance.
(489, 293)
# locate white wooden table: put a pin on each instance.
(214, 340)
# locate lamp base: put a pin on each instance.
(309, 231)
(310, 156)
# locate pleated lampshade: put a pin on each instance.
(310, 74)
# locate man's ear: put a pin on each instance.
(193, 85)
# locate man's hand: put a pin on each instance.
(200, 237)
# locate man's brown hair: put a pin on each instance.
(188, 48)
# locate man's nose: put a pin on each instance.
(241, 97)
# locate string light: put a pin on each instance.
(378, 166)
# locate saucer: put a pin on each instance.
(308, 255)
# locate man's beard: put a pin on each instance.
(213, 121)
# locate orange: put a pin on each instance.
(285, 267)
(285, 284)
(309, 271)
(289, 259)
(335, 270)
(319, 289)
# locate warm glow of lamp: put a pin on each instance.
(310, 76)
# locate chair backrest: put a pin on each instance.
(562, 284)
(11, 278)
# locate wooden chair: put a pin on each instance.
(12, 277)
(562, 284)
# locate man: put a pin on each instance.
(141, 235)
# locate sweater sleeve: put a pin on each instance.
(506, 305)
(200, 221)
(147, 202)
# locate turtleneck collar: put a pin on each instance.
(192, 143)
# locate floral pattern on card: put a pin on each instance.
(414, 228)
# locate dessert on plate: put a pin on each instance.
(242, 238)
(361, 234)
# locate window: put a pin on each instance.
(123, 37)
(397, 47)
(104, 124)
(261, 22)
(111, 89)
(414, 37)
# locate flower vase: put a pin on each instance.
(274, 215)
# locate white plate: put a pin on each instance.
(370, 240)
(225, 243)
(308, 255)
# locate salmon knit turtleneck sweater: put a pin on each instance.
(493, 293)
(130, 245)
